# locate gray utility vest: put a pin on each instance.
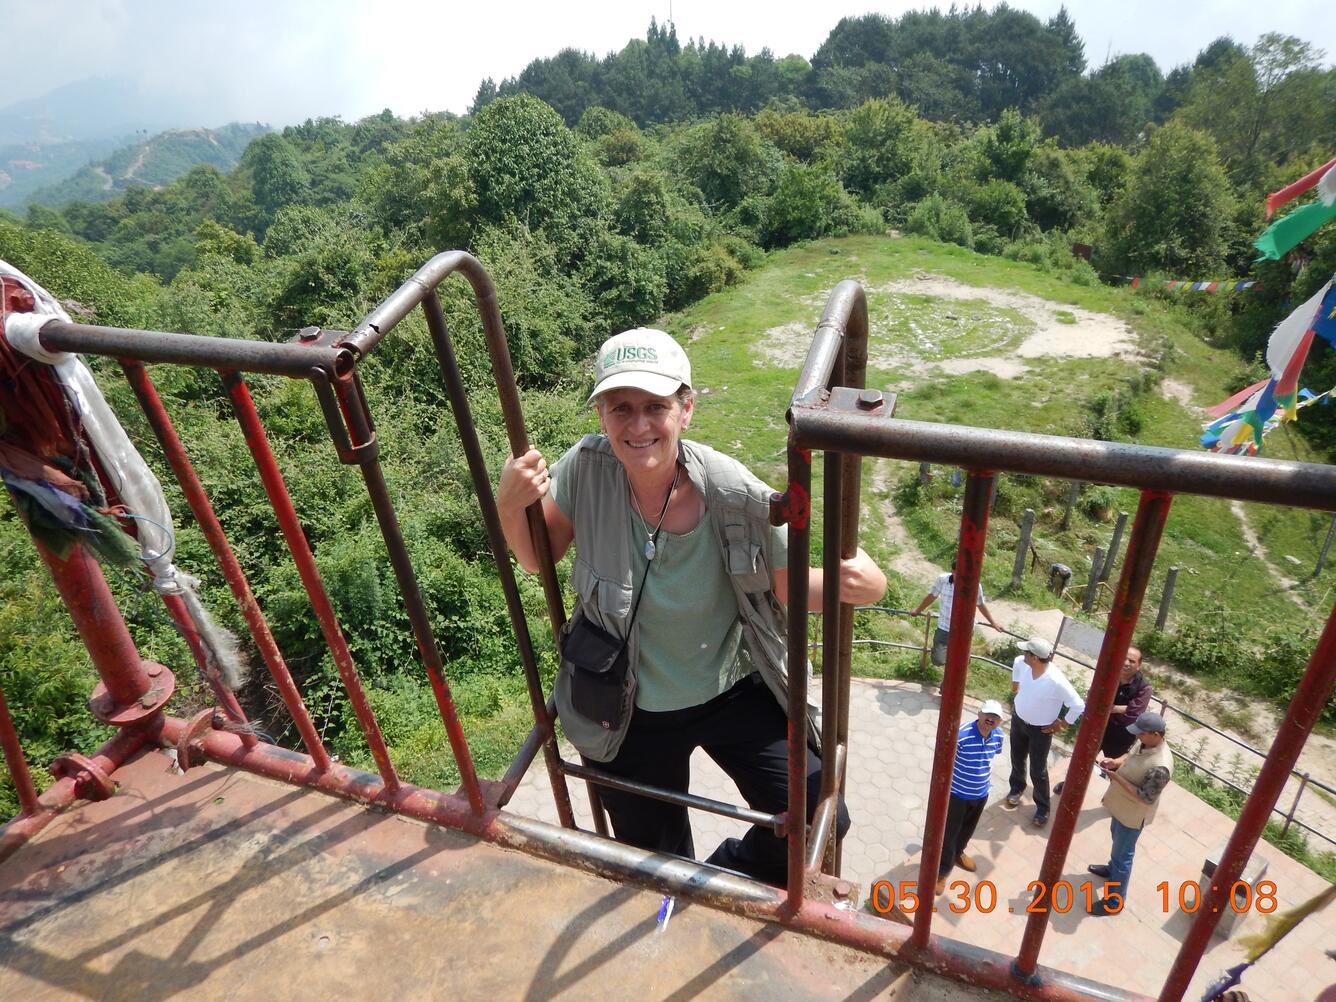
(737, 506)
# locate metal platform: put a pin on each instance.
(222, 885)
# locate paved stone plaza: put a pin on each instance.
(893, 728)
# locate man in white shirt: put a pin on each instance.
(944, 589)
(1039, 692)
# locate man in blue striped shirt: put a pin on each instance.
(976, 745)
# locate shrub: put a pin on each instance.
(941, 219)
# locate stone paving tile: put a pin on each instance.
(893, 731)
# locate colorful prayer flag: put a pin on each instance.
(1284, 234)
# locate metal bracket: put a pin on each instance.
(349, 454)
(162, 684)
(864, 401)
(831, 890)
(90, 781)
(316, 337)
(200, 723)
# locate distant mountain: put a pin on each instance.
(152, 163)
(27, 167)
(97, 108)
(45, 140)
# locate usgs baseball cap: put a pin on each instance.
(645, 359)
(1039, 647)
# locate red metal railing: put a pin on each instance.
(829, 411)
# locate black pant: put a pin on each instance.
(746, 732)
(1118, 740)
(1029, 743)
(962, 817)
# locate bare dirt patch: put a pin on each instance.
(1180, 393)
(1025, 326)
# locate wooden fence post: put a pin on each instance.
(1018, 568)
(1166, 598)
(1113, 546)
(1072, 495)
(1093, 584)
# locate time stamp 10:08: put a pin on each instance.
(962, 896)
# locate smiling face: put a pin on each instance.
(643, 428)
(988, 722)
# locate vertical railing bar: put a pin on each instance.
(968, 571)
(796, 508)
(353, 404)
(177, 458)
(18, 764)
(281, 503)
(1298, 794)
(832, 513)
(227, 699)
(1147, 530)
(468, 436)
(851, 495)
(1311, 696)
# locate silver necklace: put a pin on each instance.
(650, 549)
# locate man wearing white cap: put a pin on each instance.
(677, 640)
(977, 744)
(1039, 692)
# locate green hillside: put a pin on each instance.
(153, 163)
(957, 335)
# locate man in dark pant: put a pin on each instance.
(976, 745)
(1040, 692)
(1030, 745)
(1129, 703)
(746, 733)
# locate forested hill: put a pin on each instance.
(152, 163)
(963, 66)
(638, 183)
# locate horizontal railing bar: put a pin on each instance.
(1180, 471)
(772, 821)
(280, 358)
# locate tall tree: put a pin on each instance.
(1175, 212)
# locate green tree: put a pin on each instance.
(1175, 211)
(276, 174)
(1261, 106)
(525, 166)
(878, 138)
(808, 202)
(727, 159)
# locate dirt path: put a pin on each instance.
(1248, 720)
(133, 169)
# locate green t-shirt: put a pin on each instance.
(691, 644)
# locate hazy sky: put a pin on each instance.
(281, 61)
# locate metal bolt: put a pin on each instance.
(308, 333)
(153, 670)
(869, 400)
(843, 889)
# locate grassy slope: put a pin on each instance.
(743, 413)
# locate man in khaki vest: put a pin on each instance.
(1136, 781)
